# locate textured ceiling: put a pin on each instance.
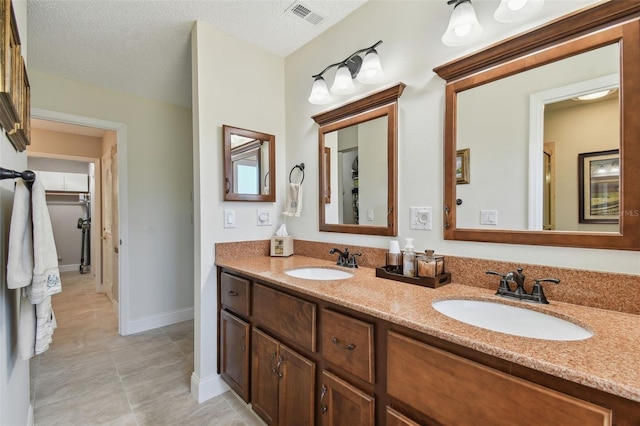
(143, 46)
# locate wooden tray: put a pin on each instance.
(432, 282)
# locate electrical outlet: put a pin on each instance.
(264, 217)
(229, 219)
(421, 218)
(488, 217)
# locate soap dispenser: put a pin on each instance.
(409, 259)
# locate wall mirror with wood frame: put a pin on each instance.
(358, 150)
(548, 168)
(249, 165)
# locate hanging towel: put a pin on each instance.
(20, 256)
(293, 201)
(45, 324)
(46, 275)
(26, 327)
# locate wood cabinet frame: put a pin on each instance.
(625, 412)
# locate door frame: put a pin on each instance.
(123, 205)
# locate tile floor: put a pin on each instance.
(90, 375)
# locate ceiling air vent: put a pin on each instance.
(303, 11)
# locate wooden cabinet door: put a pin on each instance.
(296, 392)
(343, 404)
(264, 376)
(234, 353)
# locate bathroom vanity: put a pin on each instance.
(364, 350)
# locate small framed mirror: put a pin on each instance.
(249, 165)
(358, 165)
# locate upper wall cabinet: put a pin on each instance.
(15, 92)
(543, 165)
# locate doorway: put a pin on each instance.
(109, 267)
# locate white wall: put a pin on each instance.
(14, 373)
(411, 34)
(158, 187)
(242, 86)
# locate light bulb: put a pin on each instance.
(371, 70)
(319, 92)
(463, 25)
(343, 83)
(516, 10)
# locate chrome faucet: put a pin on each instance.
(344, 259)
(519, 292)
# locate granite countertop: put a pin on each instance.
(608, 361)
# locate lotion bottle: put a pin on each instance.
(409, 259)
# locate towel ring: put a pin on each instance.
(297, 166)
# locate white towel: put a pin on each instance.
(26, 327)
(46, 275)
(20, 256)
(45, 324)
(293, 201)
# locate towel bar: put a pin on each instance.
(27, 175)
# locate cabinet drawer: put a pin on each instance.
(348, 343)
(234, 293)
(289, 317)
(395, 418)
(440, 384)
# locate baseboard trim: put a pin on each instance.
(160, 320)
(204, 389)
(30, 419)
(69, 268)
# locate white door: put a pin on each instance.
(107, 239)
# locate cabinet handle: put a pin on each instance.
(273, 370)
(227, 185)
(323, 392)
(277, 369)
(348, 347)
(242, 345)
(233, 293)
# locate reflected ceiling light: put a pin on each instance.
(367, 71)
(595, 95)
(463, 25)
(516, 10)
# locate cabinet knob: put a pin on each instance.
(232, 293)
(348, 347)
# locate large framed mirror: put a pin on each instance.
(547, 167)
(358, 180)
(249, 165)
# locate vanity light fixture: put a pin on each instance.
(463, 24)
(516, 10)
(367, 71)
(464, 27)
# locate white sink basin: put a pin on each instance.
(511, 320)
(324, 274)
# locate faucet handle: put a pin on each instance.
(538, 293)
(352, 260)
(495, 273)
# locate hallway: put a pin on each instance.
(90, 375)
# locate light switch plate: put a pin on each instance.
(421, 218)
(488, 217)
(264, 217)
(229, 219)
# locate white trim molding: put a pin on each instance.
(207, 388)
(159, 320)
